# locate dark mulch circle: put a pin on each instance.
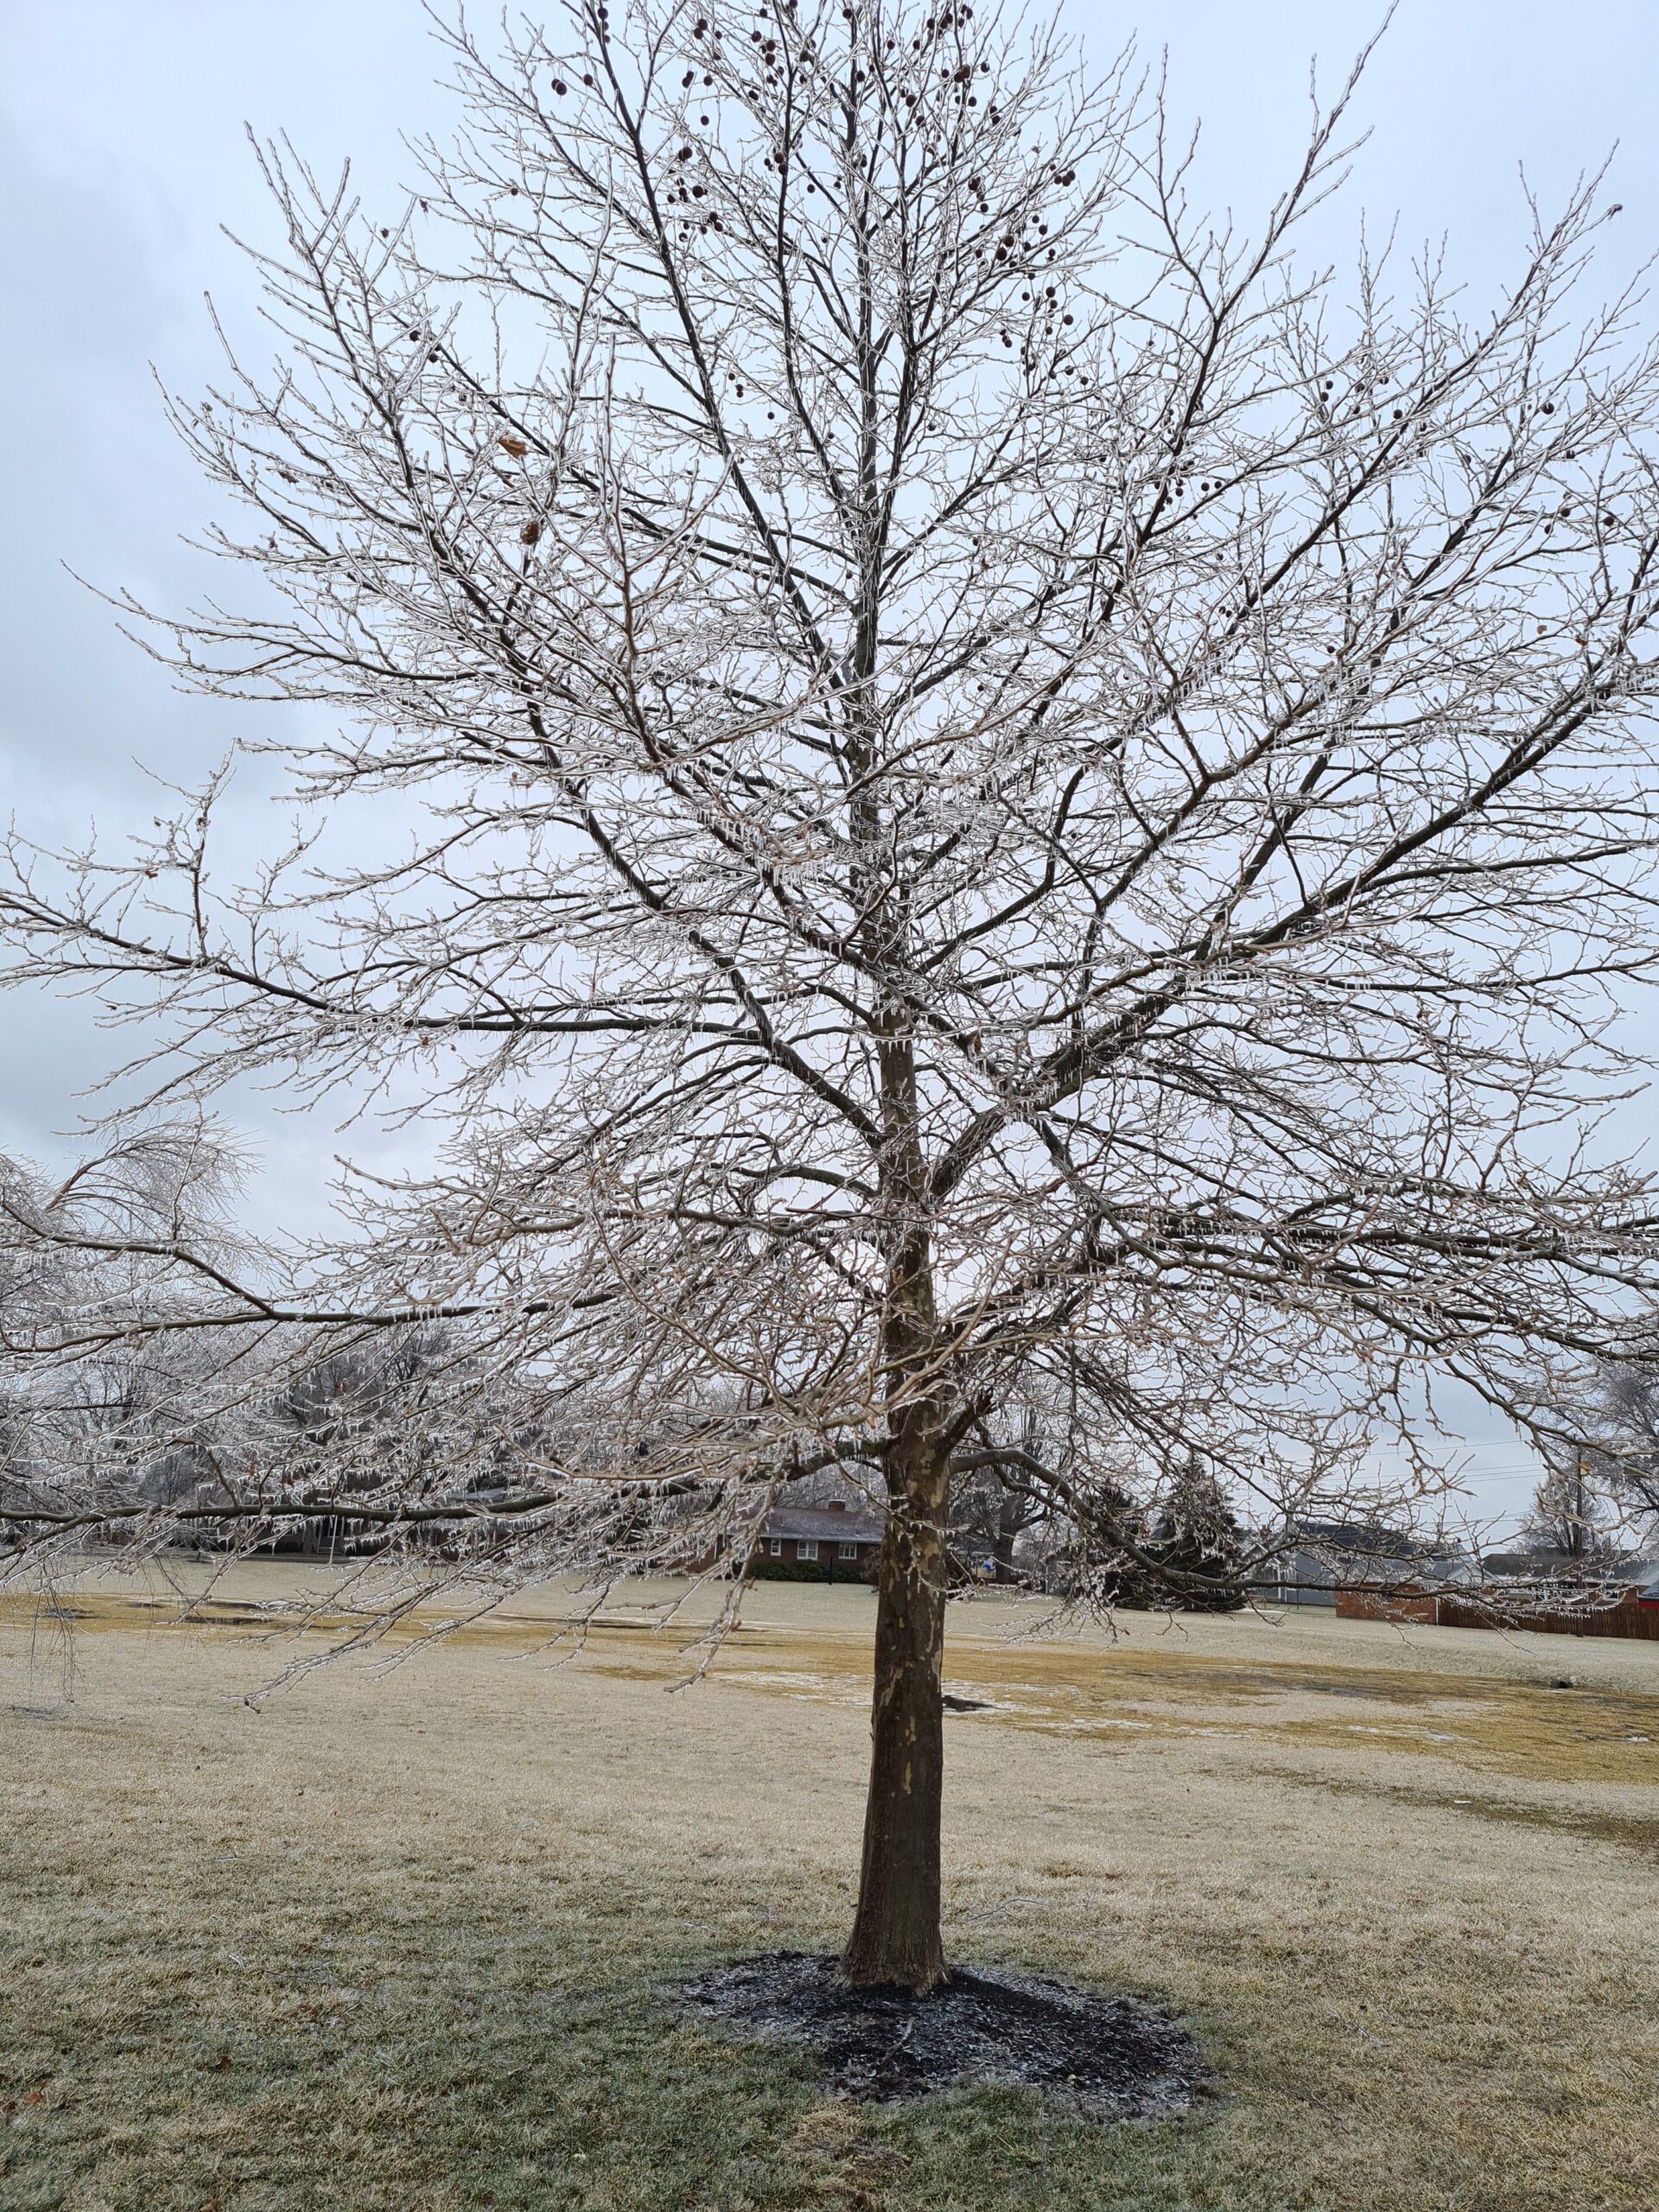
(1109, 2058)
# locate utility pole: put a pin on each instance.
(1575, 1526)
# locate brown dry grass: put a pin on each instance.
(391, 1940)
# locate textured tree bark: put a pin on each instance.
(1008, 1525)
(896, 1936)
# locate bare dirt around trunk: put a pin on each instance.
(1107, 2058)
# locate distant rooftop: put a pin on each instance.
(1536, 1561)
(846, 1524)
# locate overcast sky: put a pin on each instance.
(123, 149)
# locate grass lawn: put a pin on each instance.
(392, 1941)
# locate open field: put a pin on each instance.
(390, 1941)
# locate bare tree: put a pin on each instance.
(999, 797)
(1605, 1430)
(140, 1413)
(991, 1507)
(1567, 1516)
(1626, 1452)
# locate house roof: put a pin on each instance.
(1357, 1538)
(1543, 1562)
(846, 1525)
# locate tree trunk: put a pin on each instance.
(1007, 1528)
(895, 1937)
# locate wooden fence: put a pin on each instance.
(1627, 1617)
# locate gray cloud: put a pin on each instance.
(122, 150)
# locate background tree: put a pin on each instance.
(138, 1410)
(1567, 1516)
(991, 1507)
(1609, 1422)
(1194, 1533)
(956, 789)
(136, 1413)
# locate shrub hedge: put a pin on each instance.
(807, 1570)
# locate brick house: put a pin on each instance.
(840, 1540)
